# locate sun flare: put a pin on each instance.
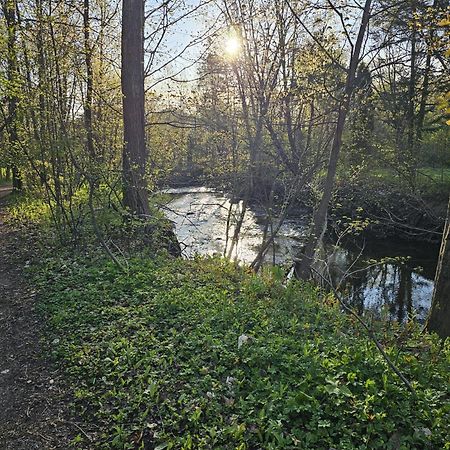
(232, 46)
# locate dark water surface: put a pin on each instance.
(398, 286)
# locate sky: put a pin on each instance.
(186, 38)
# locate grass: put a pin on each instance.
(429, 179)
(195, 354)
(440, 176)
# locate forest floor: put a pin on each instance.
(187, 354)
(33, 403)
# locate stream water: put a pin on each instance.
(396, 288)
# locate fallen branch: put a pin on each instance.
(68, 422)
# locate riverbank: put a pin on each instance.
(200, 353)
(387, 208)
(390, 278)
(390, 212)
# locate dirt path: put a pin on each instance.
(33, 407)
(5, 190)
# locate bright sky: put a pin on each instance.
(185, 39)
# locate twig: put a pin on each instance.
(68, 422)
(369, 332)
(99, 234)
(39, 434)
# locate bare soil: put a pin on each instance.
(34, 411)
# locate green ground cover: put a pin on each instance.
(429, 179)
(200, 354)
(191, 354)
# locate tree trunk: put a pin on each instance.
(437, 4)
(439, 318)
(423, 99)
(319, 220)
(135, 196)
(411, 150)
(89, 82)
(9, 11)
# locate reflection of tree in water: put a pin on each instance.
(404, 293)
(384, 285)
(357, 288)
(385, 288)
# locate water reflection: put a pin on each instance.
(399, 290)
(201, 217)
(393, 288)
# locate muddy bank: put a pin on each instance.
(390, 212)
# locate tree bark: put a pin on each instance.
(135, 196)
(439, 317)
(319, 221)
(423, 99)
(411, 153)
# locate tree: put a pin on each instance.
(89, 81)
(439, 318)
(319, 219)
(9, 11)
(408, 73)
(135, 196)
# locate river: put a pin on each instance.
(397, 286)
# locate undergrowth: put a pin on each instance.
(192, 354)
(200, 354)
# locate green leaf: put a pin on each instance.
(162, 446)
(346, 391)
(331, 389)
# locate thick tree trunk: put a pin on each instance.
(439, 318)
(319, 220)
(135, 196)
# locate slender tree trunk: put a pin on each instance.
(439, 318)
(9, 11)
(89, 82)
(411, 154)
(424, 98)
(135, 196)
(319, 220)
(437, 4)
(412, 91)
